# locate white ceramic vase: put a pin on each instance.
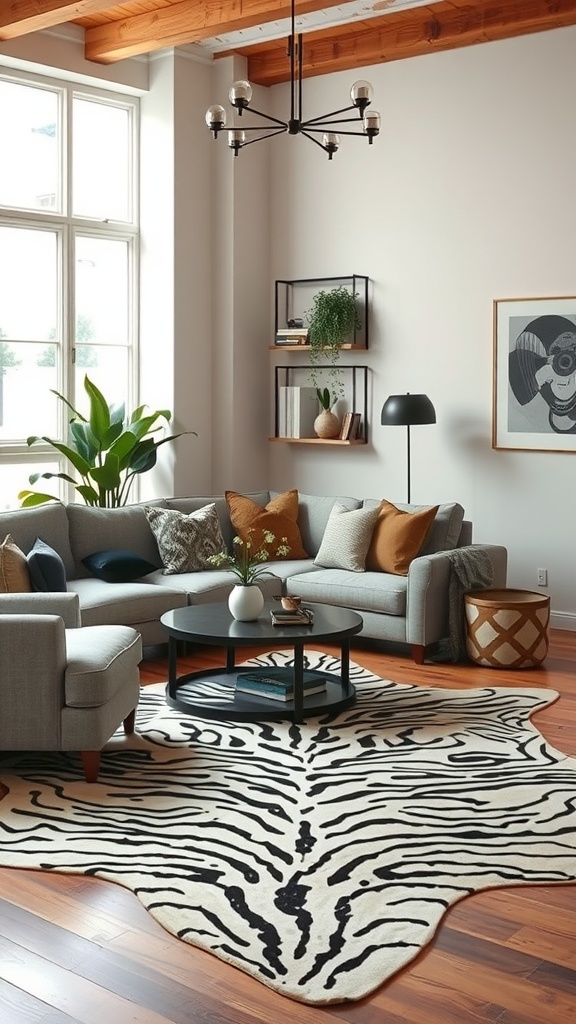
(246, 602)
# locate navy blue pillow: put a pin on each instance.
(46, 568)
(117, 566)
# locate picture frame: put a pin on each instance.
(534, 374)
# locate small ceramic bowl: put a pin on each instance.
(290, 603)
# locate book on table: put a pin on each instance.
(278, 684)
(298, 617)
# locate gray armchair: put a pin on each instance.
(64, 686)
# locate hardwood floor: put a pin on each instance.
(79, 949)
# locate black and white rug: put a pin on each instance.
(318, 858)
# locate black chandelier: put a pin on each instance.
(240, 95)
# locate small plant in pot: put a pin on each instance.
(327, 423)
(332, 318)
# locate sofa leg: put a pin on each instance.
(418, 652)
(91, 764)
(130, 722)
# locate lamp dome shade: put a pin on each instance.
(406, 410)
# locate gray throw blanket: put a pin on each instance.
(470, 569)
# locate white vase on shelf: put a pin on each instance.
(245, 602)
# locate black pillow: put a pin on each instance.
(117, 566)
(46, 568)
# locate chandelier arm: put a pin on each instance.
(312, 139)
(260, 138)
(318, 125)
(260, 113)
(318, 120)
(272, 130)
(342, 131)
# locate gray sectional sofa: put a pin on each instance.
(412, 609)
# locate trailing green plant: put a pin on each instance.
(331, 320)
(107, 450)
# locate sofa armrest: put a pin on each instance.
(427, 595)
(32, 667)
(67, 606)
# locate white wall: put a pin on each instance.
(466, 196)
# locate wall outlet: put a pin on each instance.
(542, 577)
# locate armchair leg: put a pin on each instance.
(130, 722)
(418, 652)
(91, 763)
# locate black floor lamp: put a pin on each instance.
(406, 411)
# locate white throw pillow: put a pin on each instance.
(347, 538)
(185, 542)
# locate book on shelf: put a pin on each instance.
(299, 617)
(351, 426)
(291, 336)
(297, 410)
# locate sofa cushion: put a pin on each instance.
(49, 521)
(188, 505)
(347, 538)
(127, 604)
(14, 572)
(47, 571)
(99, 660)
(280, 517)
(397, 538)
(445, 531)
(117, 566)
(361, 592)
(102, 529)
(186, 542)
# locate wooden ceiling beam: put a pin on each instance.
(410, 33)
(186, 22)
(19, 17)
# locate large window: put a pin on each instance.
(68, 263)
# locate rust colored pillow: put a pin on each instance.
(397, 538)
(280, 517)
(14, 574)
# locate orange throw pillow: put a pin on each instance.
(14, 573)
(280, 517)
(397, 538)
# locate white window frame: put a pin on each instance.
(68, 227)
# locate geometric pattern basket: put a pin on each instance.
(507, 628)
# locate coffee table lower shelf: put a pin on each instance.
(212, 694)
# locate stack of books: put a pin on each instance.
(297, 410)
(351, 427)
(277, 683)
(291, 336)
(298, 617)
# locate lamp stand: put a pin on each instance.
(408, 458)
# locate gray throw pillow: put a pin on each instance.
(347, 538)
(185, 542)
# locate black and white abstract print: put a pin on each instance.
(319, 858)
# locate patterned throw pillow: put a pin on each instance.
(280, 517)
(347, 538)
(14, 574)
(185, 542)
(398, 537)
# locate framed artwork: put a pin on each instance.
(534, 396)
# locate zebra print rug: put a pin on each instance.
(318, 858)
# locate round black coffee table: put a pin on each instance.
(211, 693)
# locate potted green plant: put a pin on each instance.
(327, 423)
(107, 450)
(332, 318)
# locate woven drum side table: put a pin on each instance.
(507, 628)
